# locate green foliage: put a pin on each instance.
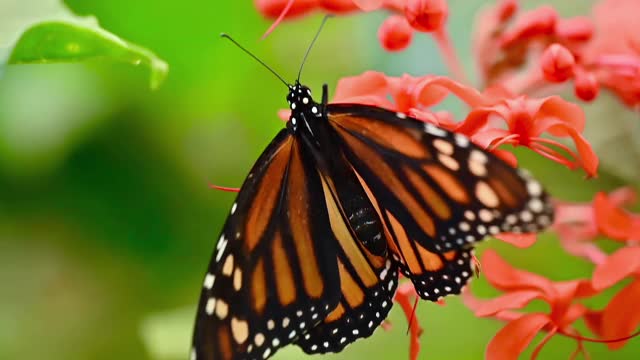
(55, 42)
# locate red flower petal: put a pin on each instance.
(274, 8)
(518, 240)
(473, 303)
(619, 265)
(469, 95)
(612, 220)
(564, 312)
(506, 156)
(367, 84)
(588, 158)
(395, 34)
(476, 121)
(619, 318)
(593, 320)
(575, 29)
(541, 21)
(508, 301)
(507, 278)
(563, 112)
(368, 5)
(340, 6)
(514, 337)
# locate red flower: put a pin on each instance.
(522, 287)
(526, 120)
(577, 227)
(620, 317)
(613, 56)
(375, 88)
(502, 47)
(518, 240)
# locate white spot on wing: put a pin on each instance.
(462, 140)
(209, 279)
(534, 188)
(434, 130)
(211, 305)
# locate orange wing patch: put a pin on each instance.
(266, 197)
(435, 201)
(448, 183)
(407, 140)
(259, 287)
(285, 282)
(300, 222)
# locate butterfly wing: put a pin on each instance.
(368, 279)
(274, 273)
(438, 192)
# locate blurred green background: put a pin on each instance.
(106, 220)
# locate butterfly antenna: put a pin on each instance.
(226, 36)
(304, 59)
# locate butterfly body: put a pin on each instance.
(343, 200)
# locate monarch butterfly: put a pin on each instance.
(342, 200)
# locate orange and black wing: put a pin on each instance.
(275, 273)
(368, 278)
(437, 192)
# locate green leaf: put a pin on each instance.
(58, 41)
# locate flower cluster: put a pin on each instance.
(598, 51)
(523, 58)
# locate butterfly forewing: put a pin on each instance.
(270, 279)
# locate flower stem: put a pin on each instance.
(224, 188)
(602, 341)
(451, 58)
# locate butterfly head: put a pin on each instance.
(301, 104)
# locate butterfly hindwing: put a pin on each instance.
(368, 279)
(270, 279)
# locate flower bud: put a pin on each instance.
(557, 63)
(506, 9)
(395, 34)
(586, 85)
(426, 15)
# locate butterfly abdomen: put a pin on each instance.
(366, 224)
